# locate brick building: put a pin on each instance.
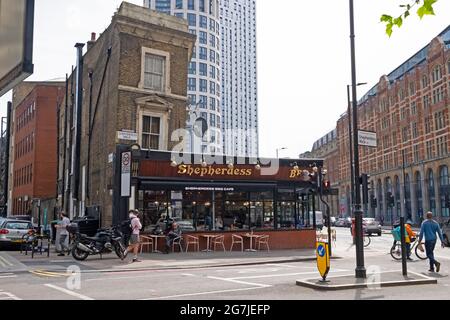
(409, 110)
(133, 79)
(33, 154)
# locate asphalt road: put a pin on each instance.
(261, 282)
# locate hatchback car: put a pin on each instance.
(372, 226)
(12, 232)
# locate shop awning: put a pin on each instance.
(204, 186)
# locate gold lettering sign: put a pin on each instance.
(190, 170)
(295, 173)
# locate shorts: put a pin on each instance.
(134, 239)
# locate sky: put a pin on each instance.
(303, 56)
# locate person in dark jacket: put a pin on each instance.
(174, 232)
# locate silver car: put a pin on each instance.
(371, 226)
(12, 231)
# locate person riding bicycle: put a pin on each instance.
(410, 237)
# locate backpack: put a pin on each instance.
(126, 227)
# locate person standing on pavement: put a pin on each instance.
(136, 227)
(63, 233)
(429, 230)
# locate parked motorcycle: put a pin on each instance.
(104, 242)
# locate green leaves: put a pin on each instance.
(426, 8)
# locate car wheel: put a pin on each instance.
(379, 234)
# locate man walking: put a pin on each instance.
(136, 227)
(429, 230)
(63, 233)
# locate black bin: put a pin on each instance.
(87, 225)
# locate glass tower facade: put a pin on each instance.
(204, 79)
(222, 79)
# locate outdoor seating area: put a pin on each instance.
(247, 242)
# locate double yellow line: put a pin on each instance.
(43, 273)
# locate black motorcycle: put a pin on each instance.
(104, 242)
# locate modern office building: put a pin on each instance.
(239, 77)
(204, 81)
(409, 111)
(222, 73)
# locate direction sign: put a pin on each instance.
(367, 139)
(323, 259)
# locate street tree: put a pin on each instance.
(424, 8)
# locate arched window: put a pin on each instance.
(380, 201)
(389, 192)
(437, 74)
(398, 206)
(444, 185)
(419, 197)
(408, 197)
(431, 191)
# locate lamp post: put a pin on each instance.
(402, 223)
(360, 271)
(352, 174)
(279, 149)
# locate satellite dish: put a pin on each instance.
(200, 127)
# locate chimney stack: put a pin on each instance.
(92, 41)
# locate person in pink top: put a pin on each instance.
(136, 227)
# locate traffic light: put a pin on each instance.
(326, 187)
(390, 200)
(364, 180)
(373, 202)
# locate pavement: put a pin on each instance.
(17, 262)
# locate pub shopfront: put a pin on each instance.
(229, 196)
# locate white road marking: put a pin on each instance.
(202, 293)
(9, 276)
(241, 282)
(5, 262)
(69, 292)
(282, 275)
(9, 296)
(188, 275)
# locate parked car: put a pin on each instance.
(372, 226)
(319, 219)
(12, 231)
(340, 223)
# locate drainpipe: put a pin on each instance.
(76, 145)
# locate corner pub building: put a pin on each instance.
(230, 196)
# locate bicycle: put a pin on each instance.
(367, 241)
(396, 250)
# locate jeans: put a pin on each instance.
(408, 250)
(429, 248)
(62, 242)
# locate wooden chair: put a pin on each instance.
(263, 240)
(146, 241)
(237, 239)
(191, 240)
(218, 241)
(177, 242)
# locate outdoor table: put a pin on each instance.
(155, 243)
(251, 236)
(208, 241)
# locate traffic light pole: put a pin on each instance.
(360, 271)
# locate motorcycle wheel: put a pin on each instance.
(78, 254)
(119, 249)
